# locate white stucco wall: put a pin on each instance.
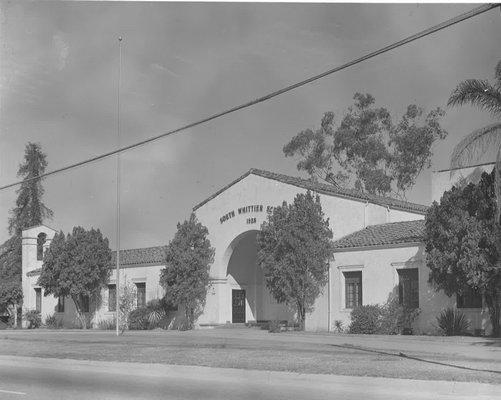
(149, 274)
(30, 263)
(345, 216)
(226, 228)
(379, 268)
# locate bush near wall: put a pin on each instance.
(53, 322)
(366, 319)
(107, 324)
(33, 319)
(396, 319)
(388, 319)
(453, 322)
(138, 319)
(156, 314)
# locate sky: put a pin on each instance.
(185, 61)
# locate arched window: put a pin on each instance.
(42, 237)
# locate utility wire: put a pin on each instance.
(462, 17)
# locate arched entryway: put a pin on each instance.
(250, 299)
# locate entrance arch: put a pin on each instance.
(250, 299)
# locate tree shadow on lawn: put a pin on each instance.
(493, 342)
(402, 355)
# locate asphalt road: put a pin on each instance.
(29, 377)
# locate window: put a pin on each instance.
(60, 304)
(470, 298)
(112, 297)
(38, 300)
(85, 302)
(408, 287)
(42, 237)
(141, 294)
(353, 288)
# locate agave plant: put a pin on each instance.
(453, 322)
(155, 312)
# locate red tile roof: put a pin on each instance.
(145, 255)
(383, 234)
(326, 189)
(138, 257)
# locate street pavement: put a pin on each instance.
(49, 378)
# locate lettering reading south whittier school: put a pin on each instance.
(245, 210)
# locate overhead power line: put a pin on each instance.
(462, 17)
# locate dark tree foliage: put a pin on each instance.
(11, 293)
(76, 266)
(367, 150)
(487, 97)
(29, 211)
(185, 277)
(294, 250)
(460, 238)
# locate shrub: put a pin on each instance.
(452, 322)
(33, 318)
(156, 312)
(127, 302)
(338, 325)
(396, 319)
(274, 326)
(388, 319)
(153, 315)
(107, 324)
(5, 322)
(52, 322)
(366, 319)
(138, 319)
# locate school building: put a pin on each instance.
(378, 252)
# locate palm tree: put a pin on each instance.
(486, 96)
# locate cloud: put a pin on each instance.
(62, 50)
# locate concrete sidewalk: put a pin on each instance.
(214, 381)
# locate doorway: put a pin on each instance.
(238, 306)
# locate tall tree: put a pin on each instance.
(185, 277)
(294, 250)
(487, 97)
(367, 150)
(460, 240)
(29, 211)
(76, 266)
(11, 292)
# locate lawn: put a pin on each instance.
(416, 357)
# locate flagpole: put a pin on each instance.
(117, 286)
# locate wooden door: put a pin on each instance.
(238, 306)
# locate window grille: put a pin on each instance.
(38, 298)
(112, 297)
(408, 287)
(85, 302)
(60, 304)
(42, 237)
(141, 294)
(469, 298)
(353, 289)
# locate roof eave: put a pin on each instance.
(378, 246)
(304, 186)
(214, 195)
